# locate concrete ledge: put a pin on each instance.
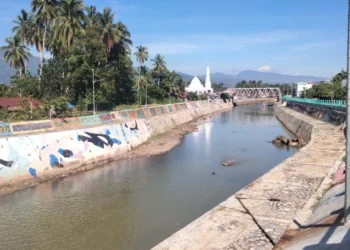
(257, 216)
(253, 101)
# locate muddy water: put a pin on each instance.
(135, 204)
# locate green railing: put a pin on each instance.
(330, 103)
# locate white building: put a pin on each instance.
(197, 87)
(302, 86)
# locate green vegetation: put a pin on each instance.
(218, 87)
(326, 90)
(85, 44)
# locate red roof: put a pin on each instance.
(14, 102)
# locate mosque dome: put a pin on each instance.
(196, 84)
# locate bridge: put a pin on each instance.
(255, 92)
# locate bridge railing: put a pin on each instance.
(329, 103)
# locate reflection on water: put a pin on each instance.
(136, 204)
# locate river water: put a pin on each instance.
(135, 204)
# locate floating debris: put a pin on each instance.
(227, 163)
(294, 142)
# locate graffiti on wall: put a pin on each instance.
(105, 117)
(30, 156)
(90, 120)
(5, 129)
(27, 127)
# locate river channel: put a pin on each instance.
(135, 204)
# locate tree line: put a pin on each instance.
(90, 54)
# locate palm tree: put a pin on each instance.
(45, 11)
(124, 42)
(141, 56)
(16, 53)
(91, 13)
(23, 29)
(159, 66)
(69, 22)
(110, 34)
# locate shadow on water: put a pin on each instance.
(135, 204)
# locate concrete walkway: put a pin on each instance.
(257, 216)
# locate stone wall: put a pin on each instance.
(327, 114)
(56, 150)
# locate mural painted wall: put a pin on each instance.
(30, 156)
(26, 155)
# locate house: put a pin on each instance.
(14, 103)
(302, 86)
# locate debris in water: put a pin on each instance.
(227, 163)
(213, 173)
(296, 141)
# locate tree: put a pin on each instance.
(91, 13)
(16, 53)
(23, 30)
(159, 67)
(110, 34)
(224, 96)
(69, 22)
(219, 87)
(141, 56)
(45, 12)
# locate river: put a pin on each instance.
(135, 204)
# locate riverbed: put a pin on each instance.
(135, 204)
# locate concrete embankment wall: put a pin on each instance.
(257, 216)
(333, 115)
(52, 150)
(253, 101)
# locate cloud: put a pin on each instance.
(266, 68)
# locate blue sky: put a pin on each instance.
(284, 36)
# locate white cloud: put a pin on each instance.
(266, 68)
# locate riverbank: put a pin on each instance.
(253, 101)
(56, 155)
(257, 216)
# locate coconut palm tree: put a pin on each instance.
(110, 34)
(124, 43)
(69, 23)
(16, 53)
(22, 29)
(159, 67)
(45, 11)
(91, 13)
(141, 56)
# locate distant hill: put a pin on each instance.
(6, 72)
(268, 77)
(248, 75)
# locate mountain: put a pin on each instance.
(250, 75)
(269, 77)
(6, 72)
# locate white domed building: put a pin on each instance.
(197, 87)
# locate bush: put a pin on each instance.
(193, 96)
(224, 96)
(203, 97)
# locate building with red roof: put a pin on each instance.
(14, 103)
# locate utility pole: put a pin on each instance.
(93, 91)
(347, 161)
(146, 93)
